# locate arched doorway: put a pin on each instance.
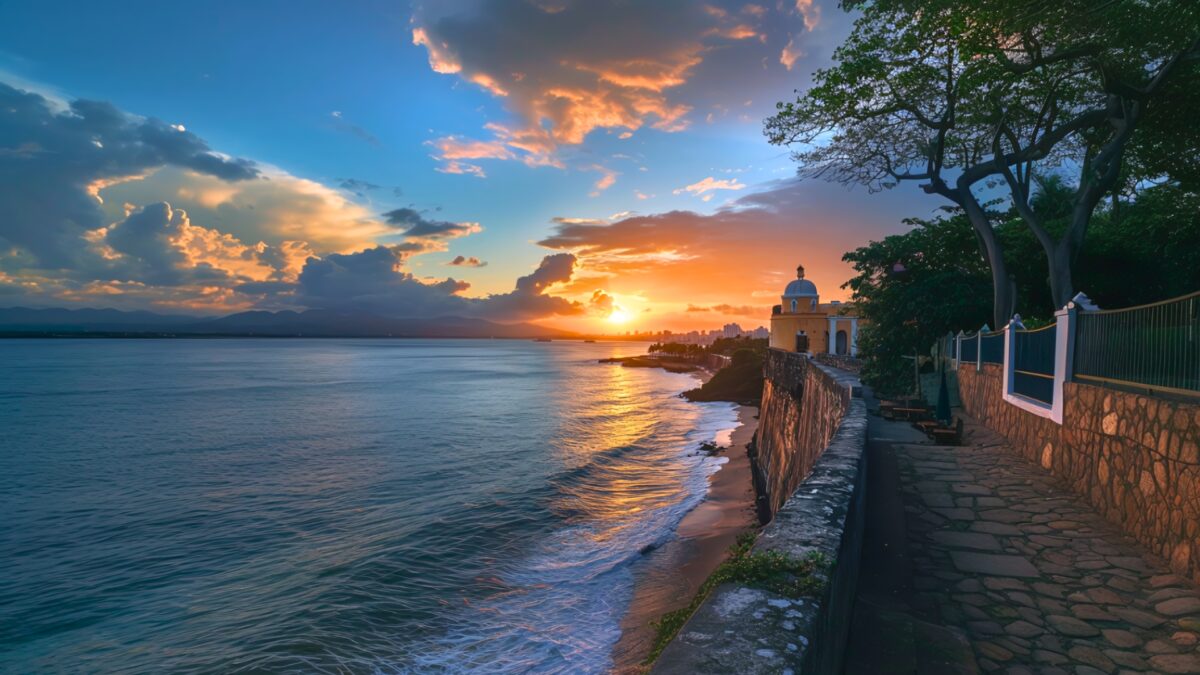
(841, 343)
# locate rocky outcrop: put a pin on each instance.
(1135, 458)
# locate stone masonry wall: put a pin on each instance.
(802, 406)
(1135, 458)
(747, 630)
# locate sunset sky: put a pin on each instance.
(588, 165)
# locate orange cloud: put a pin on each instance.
(606, 180)
(810, 12)
(706, 187)
(730, 265)
(567, 69)
(790, 54)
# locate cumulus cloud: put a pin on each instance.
(530, 298)
(374, 280)
(602, 303)
(282, 207)
(93, 217)
(567, 69)
(467, 261)
(56, 161)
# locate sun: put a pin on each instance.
(619, 315)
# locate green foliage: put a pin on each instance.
(1142, 251)
(739, 382)
(730, 346)
(973, 95)
(675, 349)
(770, 570)
(744, 356)
(725, 346)
(944, 286)
(919, 76)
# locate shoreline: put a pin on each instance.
(670, 576)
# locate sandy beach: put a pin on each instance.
(669, 576)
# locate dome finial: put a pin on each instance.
(799, 271)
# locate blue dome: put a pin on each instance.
(800, 288)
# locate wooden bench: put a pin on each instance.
(948, 435)
(911, 414)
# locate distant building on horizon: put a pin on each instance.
(706, 338)
(800, 323)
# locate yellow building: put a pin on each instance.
(801, 323)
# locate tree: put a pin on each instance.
(910, 289)
(1146, 254)
(973, 95)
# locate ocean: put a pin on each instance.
(376, 506)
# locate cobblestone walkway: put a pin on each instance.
(1036, 581)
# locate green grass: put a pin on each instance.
(769, 570)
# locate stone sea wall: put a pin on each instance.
(1135, 458)
(821, 491)
(802, 405)
(847, 363)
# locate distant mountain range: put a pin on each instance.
(309, 323)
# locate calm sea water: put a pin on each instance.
(333, 505)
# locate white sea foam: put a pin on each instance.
(572, 591)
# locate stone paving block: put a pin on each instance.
(992, 564)
(973, 540)
(1000, 529)
(1041, 581)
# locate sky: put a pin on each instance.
(593, 165)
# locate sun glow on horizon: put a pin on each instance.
(619, 315)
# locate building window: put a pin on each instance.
(793, 307)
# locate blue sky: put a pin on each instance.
(331, 93)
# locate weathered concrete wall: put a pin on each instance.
(802, 405)
(745, 630)
(1135, 458)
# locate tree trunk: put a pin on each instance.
(1062, 287)
(1003, 288)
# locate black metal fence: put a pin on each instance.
(1155, 346)
(1033, 363)
(991, 347)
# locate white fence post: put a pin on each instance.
(1064, 356)
(1007, 359)
(979, 347)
